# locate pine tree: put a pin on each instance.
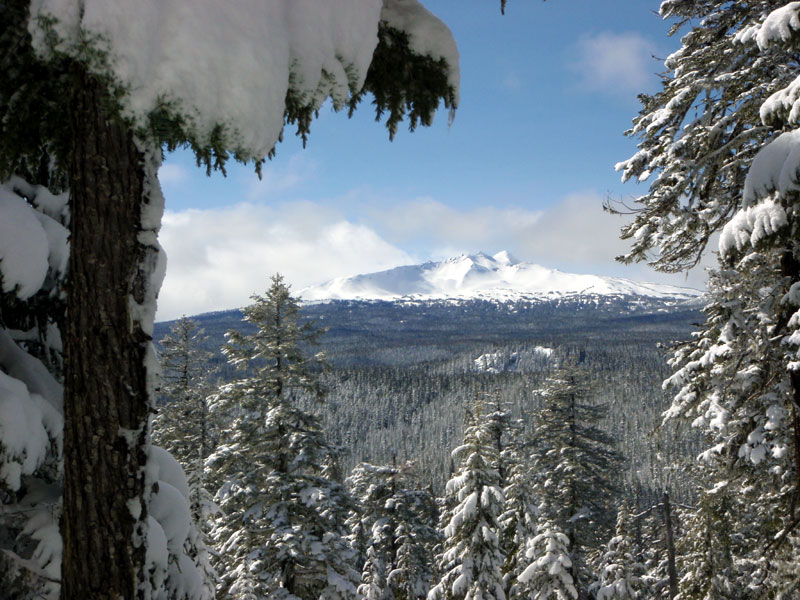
(282, 533)
(576, 466)
(549, 574)
(184, 425)
(620, 575)
(719, 144)
(706, 551)
(398, 519)
(375, 489)
(520, 513)
(415, 539)
(471, 560)
(659, 581)
(700, 133)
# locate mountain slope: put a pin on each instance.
(481, 276)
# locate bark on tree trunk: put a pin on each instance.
(106, 401)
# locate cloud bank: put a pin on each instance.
(217, 258)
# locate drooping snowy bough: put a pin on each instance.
(720, 148)
(93, 90)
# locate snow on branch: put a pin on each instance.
(215, 65)
(773, 173)
(751, 225)
(780, 26)
(228, 76)
(28, 425)
(774, 168)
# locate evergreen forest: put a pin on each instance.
(398, 413)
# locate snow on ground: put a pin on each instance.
(495, 362)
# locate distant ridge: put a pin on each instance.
(481, 276)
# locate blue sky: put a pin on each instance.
(546, 93)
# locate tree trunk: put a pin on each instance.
(790, 267)
(106, 402)
(672, 571)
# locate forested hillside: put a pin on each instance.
(403, 374)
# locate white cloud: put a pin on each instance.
(432, 224)
(576, 234)
(217, 258)
(575, 231)
(618, 63)
(275, 180)
(172, 174)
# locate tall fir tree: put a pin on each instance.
(520, 515)
(719, 145)
(283, 530)
(398, 519)
(471, 560)
(415, 539)
(548, 575)
(706, 551)
(184, 424)
(576, 465)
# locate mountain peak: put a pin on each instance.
(481, 276)
(505, 258)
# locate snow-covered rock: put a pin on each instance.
(481, 276)
(495, 362)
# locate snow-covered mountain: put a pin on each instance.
(480, 276)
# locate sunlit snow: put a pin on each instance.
(498, 277)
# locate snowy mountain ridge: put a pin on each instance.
(481, 276)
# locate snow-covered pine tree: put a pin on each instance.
(576, 466)
(283, 530)
(471, 561)
(651, 548)
(518, 522)
(31, 414)
(700, 133)
(374, 488)
(706, 551)
(496, 420)
(397, 520)
(183, 425)
(92, 93)
(415, 539)
(548, 575)
(720, 143)
(620, 574)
